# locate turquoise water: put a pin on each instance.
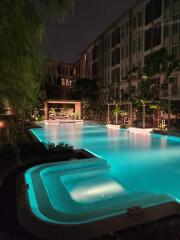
(138, 162)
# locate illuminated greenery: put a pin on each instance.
(159, 63)
(21, 63)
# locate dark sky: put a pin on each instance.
(90, 18)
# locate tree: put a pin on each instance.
(85, 89)
(162, 64)
(21, 63)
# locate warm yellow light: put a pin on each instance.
(2, 124)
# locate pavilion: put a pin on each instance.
(75, 104)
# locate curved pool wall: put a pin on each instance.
(80, 199)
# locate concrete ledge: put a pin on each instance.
(60, 121)
(141, 130)
(113, 126)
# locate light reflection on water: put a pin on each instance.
(138, 162)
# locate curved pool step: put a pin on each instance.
(48, 208)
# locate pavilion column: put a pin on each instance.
(158, 117)
(169, 112)
(131, 114)
(108, 115)
(46, 110)
(78, 109)
(144, 115)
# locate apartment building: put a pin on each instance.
(64, 74)
(145, 28)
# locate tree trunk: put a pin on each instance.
(116, 118)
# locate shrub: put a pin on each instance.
(61, 147)
(26, 149)
(124, 126)
(7, 151)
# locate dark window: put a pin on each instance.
(166, 30)
(157, 4)
(118, 56)
(166, 5)
(118, 74)
(122, 32)
(139, 44)
(157, 35)
(115, 57)
(139, 19)
(59, 69)
(122, 73)
(127, 51)
(175, 25)
(174, 87)
(146, 59)
(148, 37)
(134, 46)
(175, 5)
(117, 36)
(67, 72)
(115, 75)
(94, 53)
(122, 91)
(63, 70)
(127, 29)
(71, 71)
(153, 10)
(132, 89)
(134, 23)
(127, 71)
(139, 65)
(108, 43)
(113, 42)
(148, 13)
(175, 51)
(94, 68)
(122, 53)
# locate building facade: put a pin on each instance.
(64, 74)
(145, 28)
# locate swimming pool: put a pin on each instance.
(87, 197)
(139, 162)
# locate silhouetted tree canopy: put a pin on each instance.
(21, 63)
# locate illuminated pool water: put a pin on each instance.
(138, 162)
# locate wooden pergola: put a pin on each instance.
(144, 105)
(129, 104)
(77, 106)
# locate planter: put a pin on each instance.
(160, 131)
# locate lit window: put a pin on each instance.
(63, 83)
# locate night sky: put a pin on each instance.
(90, 18)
